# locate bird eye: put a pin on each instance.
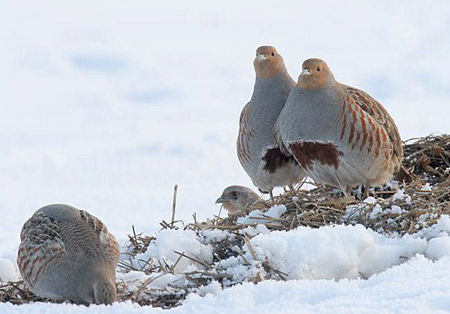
(272, 54)
(234, 195)
(318, 69)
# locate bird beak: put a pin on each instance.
(220, 200)
(261, 57)
(305, 72)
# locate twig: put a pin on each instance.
(198, 261)
(174, 203)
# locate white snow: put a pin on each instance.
(375, 211)
(169, 242)
(8, 270)
(441, 228)
(333, 252)
(418, 285)
(438, 248)
(370, 200)
(340, 268)
(399, 195)
(427, 187)
(257, 216)
(106, 105)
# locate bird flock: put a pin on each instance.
(336, 134)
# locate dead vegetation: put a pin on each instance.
(418, 205)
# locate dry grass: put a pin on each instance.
(428, 159)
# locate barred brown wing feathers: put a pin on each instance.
(380, 116)
(358, 129)
(246, 132)
(41, 245)
(65, 252)
(106, 239)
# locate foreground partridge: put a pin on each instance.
(68, 254)
(236, 199)
(260, 158)
(340, 135)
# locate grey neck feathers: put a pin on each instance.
(277, 87)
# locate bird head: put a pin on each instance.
(268, 62)
(235, 198)
(315, 74)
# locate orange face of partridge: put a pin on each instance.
(268, 62)
(315, 74)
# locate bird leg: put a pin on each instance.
(366, 192)
(289, 188)
(270, 192)
(271, 196)
(345, 189)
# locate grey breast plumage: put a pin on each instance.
(339, 134)
(258, 154)
(68, 254)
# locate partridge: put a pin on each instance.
(68, 254)
(263, 161)
(339, 134)
(236, 199)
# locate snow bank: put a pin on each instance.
(330, 252)
(257, 216)
(169, 242)
(163, 259)
(333, 252)
(413, 287)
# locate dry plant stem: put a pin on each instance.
(145, 284)
(174, 203)
(194, 259)
(260, 274)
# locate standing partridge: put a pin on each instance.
(256, 150)
(68, 254)
(236, 199)
(340, 135)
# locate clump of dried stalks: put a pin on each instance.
(425, 199)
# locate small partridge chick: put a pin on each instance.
(340, 135)
(68, 254)
(236, 199)
(263, 161)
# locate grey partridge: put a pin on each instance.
(263, 161)
(68, 254)
(236, 199)
(339, 134)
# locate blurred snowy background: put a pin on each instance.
(105, 105)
